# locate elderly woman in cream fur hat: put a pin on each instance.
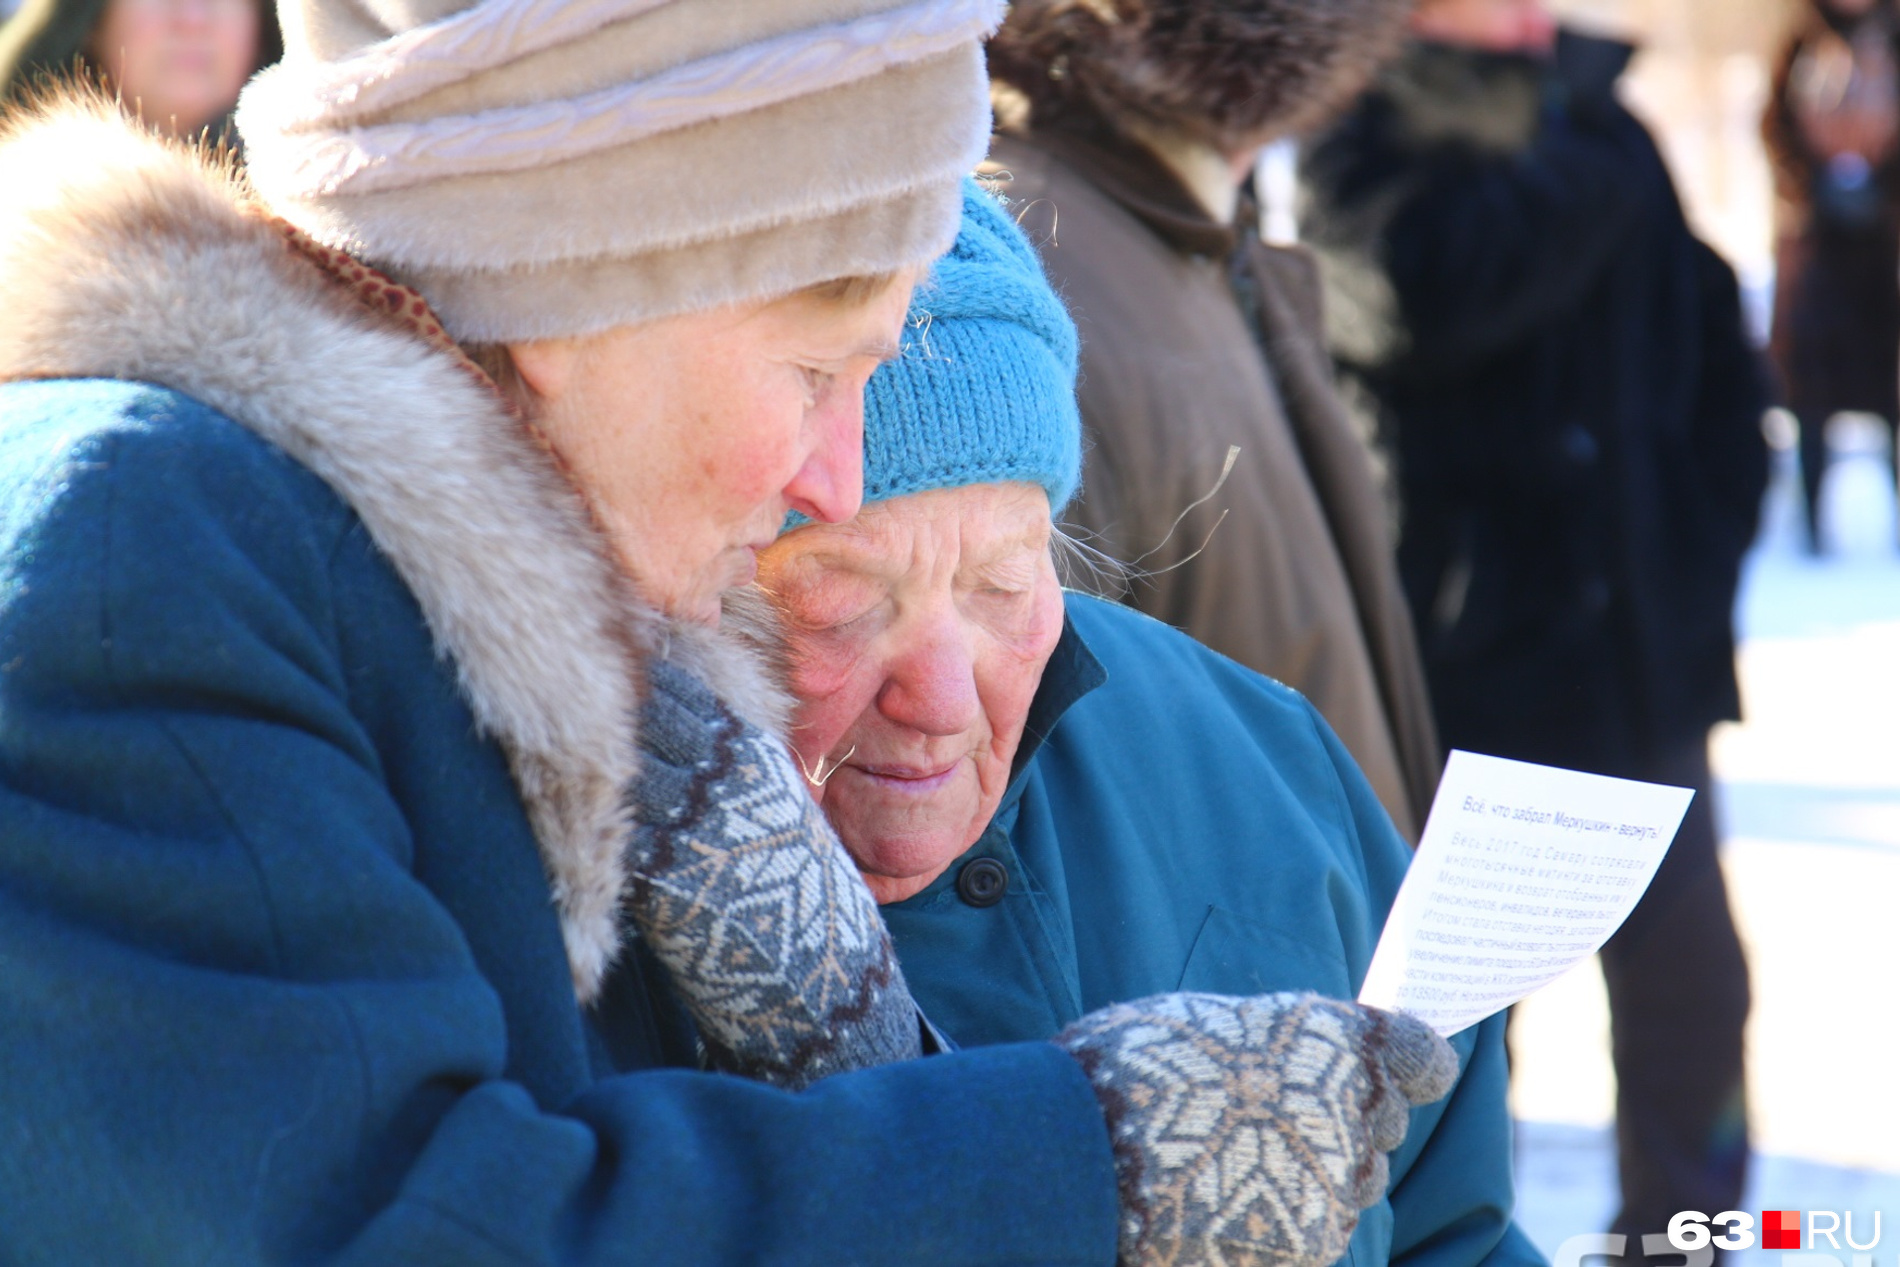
(391, 837)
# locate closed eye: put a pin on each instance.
(827, 608)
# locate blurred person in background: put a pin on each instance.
(1575, 412)
(1128, 130)
(1832, 129)
(176, 64)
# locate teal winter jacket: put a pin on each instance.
(1178, 822)
(280, 976)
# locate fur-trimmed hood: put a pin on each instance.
(123, 256)
(1222, 72)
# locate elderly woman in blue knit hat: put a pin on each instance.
(1067, 809)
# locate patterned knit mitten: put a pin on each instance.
(743, 892)
(1251, 1132)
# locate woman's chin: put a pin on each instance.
(904, 833)
(895, 869)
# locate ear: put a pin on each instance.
(546, 365)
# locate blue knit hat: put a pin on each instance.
(984, 391)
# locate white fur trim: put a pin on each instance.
(295, 165)
(125, 257)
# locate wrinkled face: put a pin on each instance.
(692, 436)
(179, 63)
(1498, 26)
(918, 634)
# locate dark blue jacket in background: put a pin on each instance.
(1564, 374)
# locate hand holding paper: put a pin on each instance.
(1523, 872)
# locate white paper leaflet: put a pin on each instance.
(1523, 872)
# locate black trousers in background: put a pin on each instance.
(1837, 335)
(1678, 989)
(1815, 461)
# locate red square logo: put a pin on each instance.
(1781, 1229)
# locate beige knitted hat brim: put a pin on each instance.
(587, 295)
(696, 154)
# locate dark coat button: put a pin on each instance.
(982, 882)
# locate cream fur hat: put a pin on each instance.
(539, 168)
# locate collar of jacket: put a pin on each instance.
(1072, 672)
(1450, 95)
(140, 259)
(1136, 178)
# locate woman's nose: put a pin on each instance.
(829, 486)
(931, 686)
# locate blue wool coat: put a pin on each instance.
(280, 974)
(1178, 822)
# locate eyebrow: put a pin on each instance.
(860, 553)
(858, 557)
(881, 350)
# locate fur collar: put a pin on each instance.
(1443, 95)
(123, 256)
(1230, 75)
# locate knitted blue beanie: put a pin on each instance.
(984, 391)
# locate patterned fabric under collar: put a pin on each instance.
(387, 298)
(404, 307)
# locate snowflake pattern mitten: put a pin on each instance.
(742, 891)
(1251, 1132)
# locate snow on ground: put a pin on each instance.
(1810, 803)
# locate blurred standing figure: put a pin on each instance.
(1576, 414)
(1128, 130)
(176, 64)
(1832, 128)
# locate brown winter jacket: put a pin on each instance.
(1299, 581)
